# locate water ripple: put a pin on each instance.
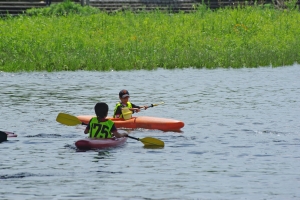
(240, 139)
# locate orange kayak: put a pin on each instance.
(145, 122)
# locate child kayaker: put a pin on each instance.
(124, 103)
(100, 127)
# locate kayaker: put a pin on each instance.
(100, 127)
(3, 136)
(124, 103)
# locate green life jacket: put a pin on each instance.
(129, 105)
(100, 129)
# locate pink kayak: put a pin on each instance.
(10, 134)
(92, 143)
(4, 135)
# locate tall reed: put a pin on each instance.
(241, 37)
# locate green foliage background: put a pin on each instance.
(93, 40)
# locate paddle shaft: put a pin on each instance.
(138, 139)
(152, 105)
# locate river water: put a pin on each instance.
(240, 139)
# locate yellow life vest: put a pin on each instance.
(129, 105)
(100, 129)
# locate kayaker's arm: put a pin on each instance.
(137, 109)
(87, 128)
(144, 107)
(152, 105)
(119, 135)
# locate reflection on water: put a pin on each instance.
(240, 140)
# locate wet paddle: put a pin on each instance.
(71, 120)
(148, 141)
(160, 103)
(67, 119)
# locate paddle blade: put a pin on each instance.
(157, 104)
(67, 119)
(148, 141)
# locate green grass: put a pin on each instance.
(241, 37)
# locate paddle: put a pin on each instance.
(152, 105)
(148, 141)
(67, 119)
(71, 120)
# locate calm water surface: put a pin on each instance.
(240, 140)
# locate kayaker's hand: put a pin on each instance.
(144, 107)
(134, 110)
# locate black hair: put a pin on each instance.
(101, 109)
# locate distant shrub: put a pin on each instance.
(62, 9)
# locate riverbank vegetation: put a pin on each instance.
(240, 37)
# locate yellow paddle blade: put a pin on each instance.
(158, 103)
(148, 141)
(67, 119)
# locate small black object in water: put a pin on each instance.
(3, 136)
